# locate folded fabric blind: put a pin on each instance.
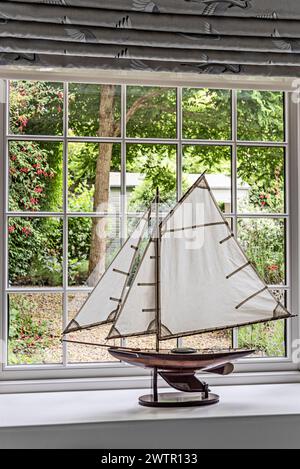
(253, 37)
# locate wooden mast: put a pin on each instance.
(157, 268)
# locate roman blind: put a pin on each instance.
(253, 37)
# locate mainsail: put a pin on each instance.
(103, 303)
(137, 315)
(206, 281)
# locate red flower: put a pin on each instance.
(263, 203)
(13, 157)
(39, 172)
(11, 228)
(37, 165)
(59, 109)
(60, 95)
(38, 189)
(33, 200)
(23, 121)
(273, 267)
(26, 231)
(24, 170)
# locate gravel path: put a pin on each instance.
(48, 307)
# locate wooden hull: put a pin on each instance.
(166, 360)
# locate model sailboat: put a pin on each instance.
(192, 278)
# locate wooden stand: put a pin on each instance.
(178, 399)
(196, 392)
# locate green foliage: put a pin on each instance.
(79, 247)
(206, 114)
(36, 179)
(29, 171)
(260, 115)
(35, 251)
(27, 336)
(155, 114)
(84, 104)
(269, 339)
(158, 165)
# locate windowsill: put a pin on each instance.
(249, 416)
(82, 407)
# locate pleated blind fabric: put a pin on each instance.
(253, 37)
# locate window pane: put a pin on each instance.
(93, 243)
(261, 176)
(35, 251)
(212, 341)
(148, 167)
(94, 177)
(216, 161)
(264, 242)
(151, 112)
(78, 353)
(206, 114)
(35, 176)
(35, 326)
(261, 116)
(269, 339)
(94, 110)
(36, 108)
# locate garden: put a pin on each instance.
(44, 186)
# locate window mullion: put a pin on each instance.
(5, 221)
(3, 96)
(123, 200)
(179, 157)
(65, 218)
(234, 136)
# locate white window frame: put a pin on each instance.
(118, 375)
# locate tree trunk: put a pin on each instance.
(107, 128)
(101, 194)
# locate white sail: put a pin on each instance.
(103, 303)
(207, 282)
(137, 315)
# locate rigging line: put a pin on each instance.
(93, 344)
(118, 300)
(146, 284)
(193, 227)
(238, 270)
(121, 272)
(227, 238)
(251, 296)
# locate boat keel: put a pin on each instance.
(185, 381)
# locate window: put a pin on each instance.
(82, 162)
